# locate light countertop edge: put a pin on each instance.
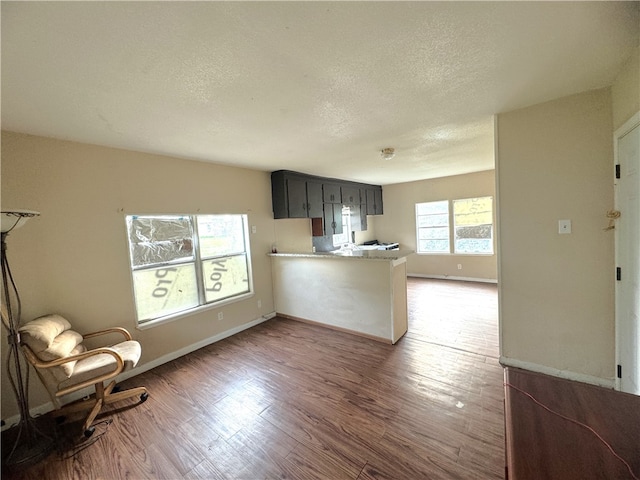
(351, 255)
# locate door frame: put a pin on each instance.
(629, 125)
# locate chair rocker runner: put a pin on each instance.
(64, 364)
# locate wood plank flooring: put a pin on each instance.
(290, 400)
(543, 445)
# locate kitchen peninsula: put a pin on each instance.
(357, 291)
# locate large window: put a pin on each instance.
(469, 222)
(182, 262)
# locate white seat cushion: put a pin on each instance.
(97, 365)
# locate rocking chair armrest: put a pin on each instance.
(36, 362)
(125, 333)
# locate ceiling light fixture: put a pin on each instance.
(387, 153)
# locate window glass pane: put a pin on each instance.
(166, 290)
(344, 237)
(440, 220)
(434, 233)
(473, 225)
(154, 240)
(474, 245)
(220, 235)
(225, 277)
(432, 220)
(434, 246)
(473, 211)
(477, 231)
(432, 208)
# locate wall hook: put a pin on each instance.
(612, 215)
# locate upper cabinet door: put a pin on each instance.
(331, 193)
(332, 218)
(350, 196)
(374, 201)
(314, 199)
(358, 218)
(378, 201)
(297, 193)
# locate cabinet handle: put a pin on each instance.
(304, 206)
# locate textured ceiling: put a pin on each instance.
(318, 87)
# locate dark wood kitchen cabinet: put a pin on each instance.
(297, 195)
(359, 218)
(332, 218)
(374, 201)
(294, 196)
(351, 195)
(331, 193)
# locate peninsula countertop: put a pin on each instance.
(357, 291)
(349, 254)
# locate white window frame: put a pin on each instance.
(344, 237)
(455, 227)
(197, 262)
(447, 226)
(452, 228)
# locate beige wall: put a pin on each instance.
(554, 161)
(294, 234)
(73, 259)
(626, 91)
(399, 224)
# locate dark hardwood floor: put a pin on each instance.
(290, 400)
(558, 428)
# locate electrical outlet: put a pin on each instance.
(259, 303)
(459, 266)
(564, 226)
(220, 315)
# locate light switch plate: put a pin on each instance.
(564, 226)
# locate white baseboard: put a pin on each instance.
(72, 397)
(578, 377)
(450, 277)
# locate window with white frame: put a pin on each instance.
(473, 225)
(469, 222)
(182, 262)
(345, 236)
(432, 221)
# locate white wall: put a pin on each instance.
(626, 91)
(554, 161)
(73, 259)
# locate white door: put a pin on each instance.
(627, 153)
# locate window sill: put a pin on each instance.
(192, 311)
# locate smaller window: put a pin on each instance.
(343, 238)
(432, 221)
(473, 225)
